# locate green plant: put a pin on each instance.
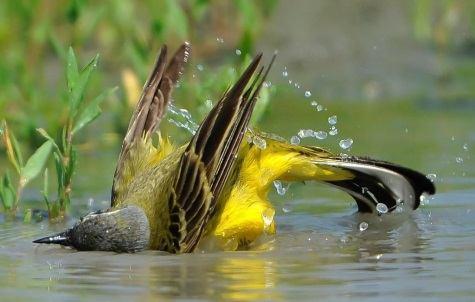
(80, 114)
(10, 192)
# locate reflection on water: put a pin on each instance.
(323, 256)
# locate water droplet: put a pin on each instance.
(267, 84)
(431, 176)
(295, 140)
(209, 103)
(238, 52)
(303, 133)
(332, 120)
(346, 143)
(465, 147)
(363, 226)
(333, 131)
(344, 239)
(319, 107)
(287, 208)
(285, 73)
(268, 217)
(281, 190)
(459, 160)
(321, 134)
(308, 94)
(424, 199)
(200, 67)
(219, 40)
(259, 142)
(314, 104)
(381, 208)
(452, 138)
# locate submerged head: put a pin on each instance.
(120, 230)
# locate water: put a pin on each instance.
(346, 143)
(416, 256)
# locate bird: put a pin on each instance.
(213, 190)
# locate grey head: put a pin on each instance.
(120, 230)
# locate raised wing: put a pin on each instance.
(207, 161)
(147, 115)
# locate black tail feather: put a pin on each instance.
(381, 182)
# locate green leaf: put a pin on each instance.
(45, 183)
(92, 111)
(11, 152)
(7, 192)
(16, 148)
(73, 158)
(59, 171)
(35, 163)
(72, 72)
(45, 188)
(48, 137)
(77, 92)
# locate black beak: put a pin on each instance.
(60, 238)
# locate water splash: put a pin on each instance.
(308, 94)
(182, 118)
(346, 143)
(285, 73)
(295, 140)
(303, 133)
(321, 134)
(381, 208)
(333, 131)
(363, 226)
(332, 120)
(259, 142)
(280, 188)
(431, 176)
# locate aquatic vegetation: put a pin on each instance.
(80, 114)
(10, 191)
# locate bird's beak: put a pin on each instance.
(60, 238)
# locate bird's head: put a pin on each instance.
(120, 230)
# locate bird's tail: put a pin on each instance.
(367, 180)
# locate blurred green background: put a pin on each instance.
(400, 83)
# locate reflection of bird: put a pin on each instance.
(214, 189)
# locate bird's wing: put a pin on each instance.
(208, 158)
(147, 115)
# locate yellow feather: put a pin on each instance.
(245, 213)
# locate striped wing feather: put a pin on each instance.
(207, 161)
(149, 111)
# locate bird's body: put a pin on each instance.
(213, 190)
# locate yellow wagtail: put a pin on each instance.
(214, 188)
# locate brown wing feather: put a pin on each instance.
(207, 161)
(151, 107)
